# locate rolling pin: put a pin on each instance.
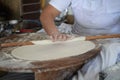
(49, 41)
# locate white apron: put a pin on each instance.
(96, 17)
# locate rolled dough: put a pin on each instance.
(53, 51)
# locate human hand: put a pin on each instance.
(59, 37)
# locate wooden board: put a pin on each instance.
(59, 69)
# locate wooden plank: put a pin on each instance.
(34, 16)
(29, 1)
(29, 8)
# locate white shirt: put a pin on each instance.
(92, 16)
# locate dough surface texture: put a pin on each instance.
(52, 51)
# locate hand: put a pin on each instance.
(59, 37)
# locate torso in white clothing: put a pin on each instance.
(95, 16)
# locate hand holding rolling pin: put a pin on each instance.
(59, 37)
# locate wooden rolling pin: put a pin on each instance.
(103, 36)
(49, 41)
(16, 44)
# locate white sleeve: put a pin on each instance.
(60, 5)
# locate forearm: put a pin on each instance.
(48, 24)
(47, 19)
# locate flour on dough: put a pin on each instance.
(53, 51)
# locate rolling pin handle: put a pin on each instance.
(16, 44)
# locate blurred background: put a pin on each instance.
(19, 16)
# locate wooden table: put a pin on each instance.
(60, 69)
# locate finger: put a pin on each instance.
(69, 36)
(60, 37)
(64, 37)
(56, 37)
(52, 38)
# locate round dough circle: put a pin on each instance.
(53, 51)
